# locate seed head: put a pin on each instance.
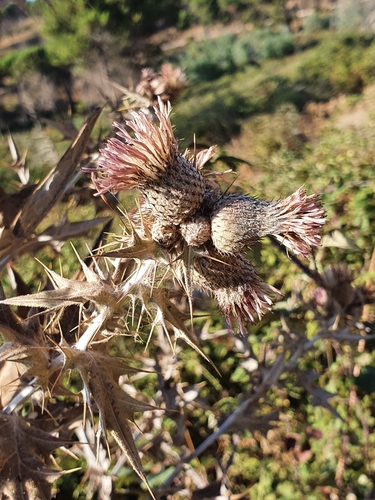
(202, 230)
(236, 286)
(173, 186)
(167, 84)
(240, 221)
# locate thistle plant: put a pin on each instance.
(203, 230)
(166, 85)
(186, 234)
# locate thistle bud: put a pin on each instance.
(196, 230)
(239, 221)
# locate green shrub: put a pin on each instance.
(317, 22)
(274, 45)
(210, 59)
(66, 30)
(340, 63)
(199, 12)
(18, 62)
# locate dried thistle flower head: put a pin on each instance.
(166, 85)
(203, 230)
(338, 295)
(145, 85)
(172, 185)
(240, 221)
(236, 286)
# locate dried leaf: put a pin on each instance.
(9, 380)
(51, 189)
(24, 454)
(68, 292)
(28, 208)
(99, 374)
(11, 351)
(13, 329)
(19, 161)
(51, 299)
(72, 229)
(54, 236)
(35, 358)
(25, 343)
(168, 314)
(11, 204)
(67, 129)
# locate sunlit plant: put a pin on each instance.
(186, 234)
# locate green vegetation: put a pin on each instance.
(210, 59)
(336, 64)
(22, 61)
(342, 63)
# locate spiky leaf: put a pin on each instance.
(24, 456)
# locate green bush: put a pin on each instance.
(317, 22)
(18, 62)
(341, 63)
(66, 30)
(199, 12)
(71, 28)
(208, 60)
(274, 44)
